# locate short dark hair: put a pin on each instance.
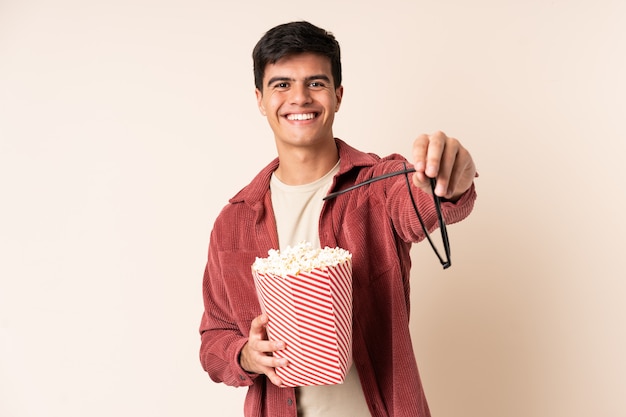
(291, 39)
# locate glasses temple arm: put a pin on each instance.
(371, 180)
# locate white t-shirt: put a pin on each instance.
(297, 209)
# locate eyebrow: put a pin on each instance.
(323, 77)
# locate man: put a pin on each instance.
(297, 70)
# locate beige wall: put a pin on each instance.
(125, 125)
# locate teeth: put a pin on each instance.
(306, 116)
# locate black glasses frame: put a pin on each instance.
(445, 262)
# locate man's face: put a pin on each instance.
(299, 99)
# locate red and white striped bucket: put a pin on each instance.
(312, 313)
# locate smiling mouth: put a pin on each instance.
(301, 116)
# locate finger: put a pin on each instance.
(257, 356)
(436, 146)
(422, 182)
(267, 365)
(458, 170)
(262, 360)
(257, 327)
(420, 150)
(462, 176)
(266, 346)
(270, 370)
(274, 378)
(448, 164)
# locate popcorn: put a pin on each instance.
(307, 294)
(300, 258)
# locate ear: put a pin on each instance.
(259, 101)
(339, 96)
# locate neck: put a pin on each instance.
(305, 165)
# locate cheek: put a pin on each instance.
(271, 105)
(333, 107)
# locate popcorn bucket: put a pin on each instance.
(312, 313)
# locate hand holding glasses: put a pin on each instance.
(437, 200)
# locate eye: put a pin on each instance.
(317, 84)
(281, 85)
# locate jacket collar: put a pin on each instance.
(256, 190)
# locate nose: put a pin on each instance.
(300, 94)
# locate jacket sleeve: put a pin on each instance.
(402, 213)
(223, 332)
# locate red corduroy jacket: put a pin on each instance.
(377, 224)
